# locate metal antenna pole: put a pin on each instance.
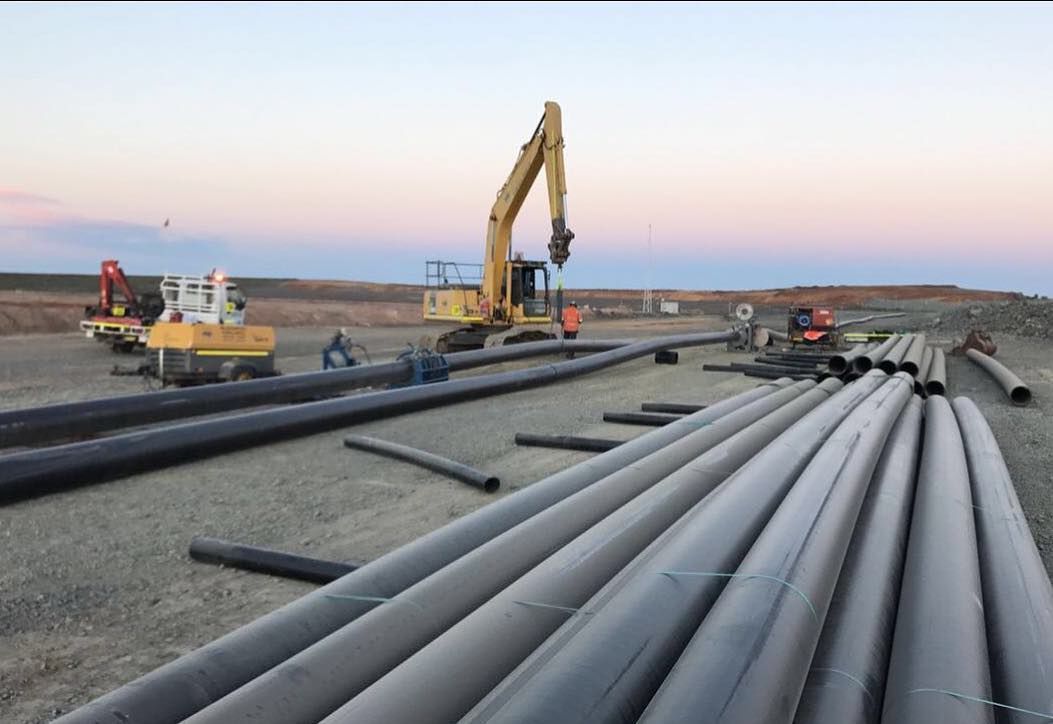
(648, 295)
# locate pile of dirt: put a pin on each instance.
(306, 313)
(45, 307)
(45, 313)
(620, 311)
(38, 313)
(837, 295)
(1022, 317)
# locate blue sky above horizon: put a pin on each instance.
(767, 144)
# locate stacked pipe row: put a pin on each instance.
(908, 353)
(765, 559)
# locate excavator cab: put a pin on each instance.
(530, 297)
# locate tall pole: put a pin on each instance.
(648, 295)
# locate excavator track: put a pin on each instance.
(477, 338)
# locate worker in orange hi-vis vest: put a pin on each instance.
(571, 323)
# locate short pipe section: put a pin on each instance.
(1014, 387)
(431, 461)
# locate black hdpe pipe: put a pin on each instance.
(841, 363)
(857, 633)
(765, 375)
(763, 359)
(911, 362)
(890, 362)
(567, 578)
(749, 659)
(66, 420)
(871, 318)
(763, 369)
(37, 472)
(636, 627)
(792, 369)
(676, 408)
(318, 680)
(175, 691)
(865, 362)
(267, 560)
(1014, 387)
(936, 382)
(433, 462)
(423, 458)
(652, 419)
(566, 442)
(923, 372)
(940, 644)
(800, 356)
(1018, 597)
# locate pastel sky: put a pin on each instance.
(767, 144)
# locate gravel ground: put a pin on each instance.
(97, 588)
(1023, 317)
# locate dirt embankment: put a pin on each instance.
(835, 296)
(57, 305)
(34, 312)
(319, 313)
(41, 313)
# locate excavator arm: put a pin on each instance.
(545, 148)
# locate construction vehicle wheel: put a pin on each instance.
(237, 372)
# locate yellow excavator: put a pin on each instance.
(505, 300)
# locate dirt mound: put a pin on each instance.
(1021, 317)
(43, 313)
(837, 296)
(292, 303)
(343, 290)
(305, 313)
(33, 312)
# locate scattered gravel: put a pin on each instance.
(1023, 318)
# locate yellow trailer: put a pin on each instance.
(185, 354)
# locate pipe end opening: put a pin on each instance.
(1020, 395)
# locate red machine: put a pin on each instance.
(812, 325)
(122, 325)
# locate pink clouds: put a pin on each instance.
(23, 198)
(29, 209)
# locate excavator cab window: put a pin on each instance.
(522, 284)
(526, 292)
